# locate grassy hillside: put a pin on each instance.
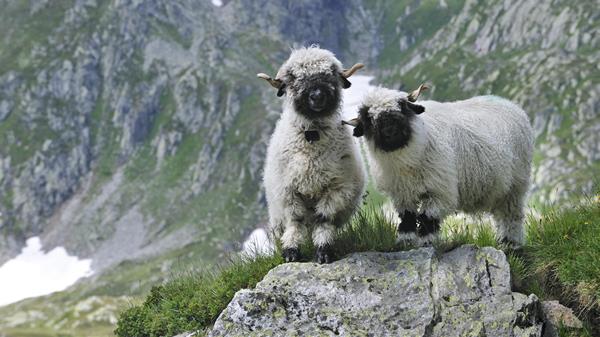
(558, 261)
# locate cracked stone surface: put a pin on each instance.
(464, 292)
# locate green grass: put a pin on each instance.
(563, 252)
(559, 261)
(194, 301)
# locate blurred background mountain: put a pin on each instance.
(133, 132)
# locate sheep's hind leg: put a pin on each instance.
(508, 220)
(407, 229)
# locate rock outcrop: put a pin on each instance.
(464, 292)
(556, 316)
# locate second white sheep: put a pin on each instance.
(434, 158)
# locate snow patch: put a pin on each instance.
(353, 95)
(217, 3)
(258, 243)
(36, 273)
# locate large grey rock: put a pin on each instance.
(465, 292)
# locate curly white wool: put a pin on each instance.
(471, 155)
(306, 181)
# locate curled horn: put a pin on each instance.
(275, 83)
(349, 72)
(353, 122)
(412, 97)
(359, 130)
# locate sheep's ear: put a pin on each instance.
(416, 108)
(281, 90)
(359, 130)
(345, 83)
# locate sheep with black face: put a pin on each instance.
(434, 158)
(314, 177)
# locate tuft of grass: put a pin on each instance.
(562, 252)
(456, 232)
(369, 230)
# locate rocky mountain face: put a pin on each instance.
(136, 129)
(542, 55)
(129, 128)
(465, 292)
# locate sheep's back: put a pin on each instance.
(492, 143)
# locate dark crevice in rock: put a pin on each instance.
(335, 330)
(529, 315)
(483, 331)
(436, 318)
(487, 270)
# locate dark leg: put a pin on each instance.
(407, 230)
(428, 228)
(324, 254)
(323, 236)
(291, 254)
(408, 224)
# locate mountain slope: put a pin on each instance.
(133, 132)
(127, 123)
(540, 55)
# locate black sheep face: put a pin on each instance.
(316, 95)
(390, 129)
(312, 80)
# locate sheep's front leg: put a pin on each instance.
(294, 229)
(323, 237)
(332, 208)
(407, 229)
(433, 210)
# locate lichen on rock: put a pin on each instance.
(464, 292)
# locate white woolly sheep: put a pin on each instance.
(471, 155)
(314, 177)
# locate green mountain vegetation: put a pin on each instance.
(134, 132)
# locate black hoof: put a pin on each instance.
(324, 255)
(291, 254)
